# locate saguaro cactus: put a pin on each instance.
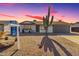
(47, 21)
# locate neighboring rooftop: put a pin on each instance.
(27, 23)
(76, 23)
(7, 22)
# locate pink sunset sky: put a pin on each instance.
(30, 11)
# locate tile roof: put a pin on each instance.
(41, 23)
(27, 23)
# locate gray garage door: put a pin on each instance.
(1, 27)
(61, 29)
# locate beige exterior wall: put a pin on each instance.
(74, 25)
(33, 27)
(41, 29)
(50, 29)
(7, 29)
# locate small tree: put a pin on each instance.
(34, 21)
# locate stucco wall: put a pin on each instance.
(7, 29)
(50, 29)
(33, 27)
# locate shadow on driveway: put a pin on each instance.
(48, 43)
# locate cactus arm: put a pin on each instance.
(48, 16)
(51, 20)
(43, 20)
(48, 11)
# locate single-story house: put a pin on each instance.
(27, 27)
(37, 27)
(75, 27)
(4, 26)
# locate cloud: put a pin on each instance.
(5, 15)
(7, 4)
(36, 17)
